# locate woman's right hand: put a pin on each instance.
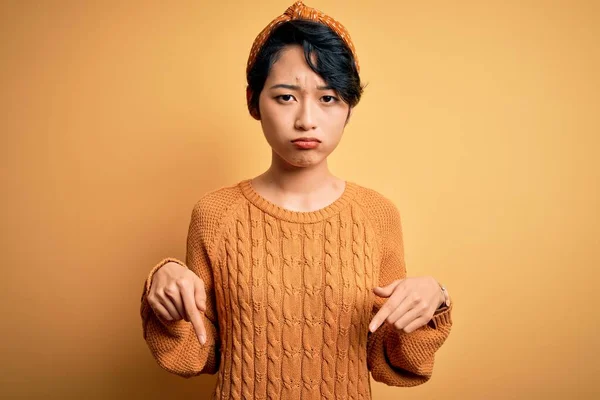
(178, 293)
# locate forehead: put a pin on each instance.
(291, 66)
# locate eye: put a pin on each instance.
(285, 98)
(329, 99)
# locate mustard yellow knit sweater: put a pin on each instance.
(290, 299)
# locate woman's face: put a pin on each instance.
(296, 103)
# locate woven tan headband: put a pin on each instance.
(295, 12)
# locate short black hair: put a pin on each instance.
(334, 60)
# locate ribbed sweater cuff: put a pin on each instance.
(443, 318)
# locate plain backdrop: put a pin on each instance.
(480, 121)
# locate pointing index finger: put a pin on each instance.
(194, 314)
(386, 309)
(381, 315)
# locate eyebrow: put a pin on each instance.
(296, 87)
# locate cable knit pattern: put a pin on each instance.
(235, 374)
(258, 301)
(274, 306)
(330, 318)
(289, 299)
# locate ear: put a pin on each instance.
(255, 113)
(350, 110)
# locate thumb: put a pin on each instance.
(386, 291)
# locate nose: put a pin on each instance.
(305, 119)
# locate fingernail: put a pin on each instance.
(202, 339)
(372, 328)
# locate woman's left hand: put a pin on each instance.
(411, 303)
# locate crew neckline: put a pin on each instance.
(298, 216)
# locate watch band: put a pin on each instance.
(446, 295)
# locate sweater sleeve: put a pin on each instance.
(174, 344)
(394, 357)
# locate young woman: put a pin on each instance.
(294, 284)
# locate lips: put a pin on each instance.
(306, 139)
(306, 143)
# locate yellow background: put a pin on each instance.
(480, 121)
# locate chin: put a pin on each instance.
(299, 158)
(304, 160)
